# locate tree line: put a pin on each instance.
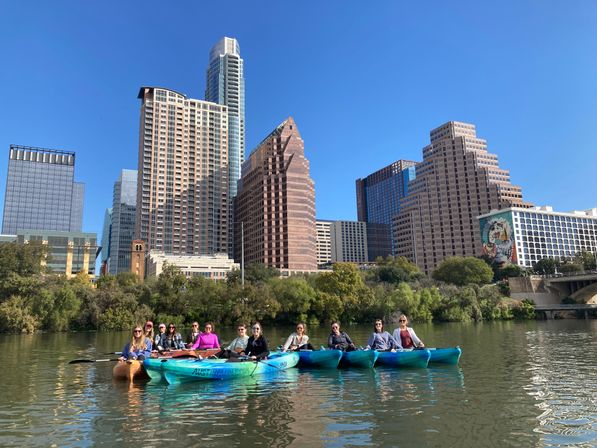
(460, 289)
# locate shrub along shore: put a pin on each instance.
(460, 290)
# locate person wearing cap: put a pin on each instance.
(149, 330)
(158, 342)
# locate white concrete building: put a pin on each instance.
(349, 241)
(525, 236)
(214, 267)
(324, 242)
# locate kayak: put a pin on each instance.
(449, 355)
(153, 365)
(177, 371)
(129, 371)
(323, 359)
(359, 358)
(405, 358)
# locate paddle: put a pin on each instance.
(81, 361)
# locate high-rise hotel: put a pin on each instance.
(457, 181)
(183, 179)
(275, 204)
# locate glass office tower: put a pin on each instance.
(124, 208)
(40, 191)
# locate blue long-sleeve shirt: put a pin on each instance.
(381, 341)
(136, 353)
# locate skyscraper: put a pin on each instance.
(106, 235)
(41, 193)
(226, 86)
(349, 241)
(324, 242)
(182, 186)
(457, 181)
(378, 201)
(276, 204)
(124, 207)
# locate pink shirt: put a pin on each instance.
(206, 340)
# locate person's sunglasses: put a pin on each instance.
(137, 331)
(401, 320)
(240, 329)
(195, 325)
(171, 327)
(256, 328)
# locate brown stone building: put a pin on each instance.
(276, 204)
(457, 181)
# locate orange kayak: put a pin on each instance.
(129, 371)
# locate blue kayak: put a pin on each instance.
(221, 369)
(323, 359)
(449, 355)
(153, 367)
(405, 358)
(359, 358)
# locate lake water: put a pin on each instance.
(518, 384)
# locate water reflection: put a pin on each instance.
(519, 384)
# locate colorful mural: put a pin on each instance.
(497, 237)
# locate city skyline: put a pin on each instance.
(536, 117)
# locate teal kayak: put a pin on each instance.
(323, 359)
(359, 358)
(221, 369)
(153, 367)
(405, 358)
(449, 355)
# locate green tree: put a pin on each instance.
(16, 316)
(255, 273)
(463, 271)
(296, 298)
(394, 270)
(545, 266)
(22, 259)
(586, 259)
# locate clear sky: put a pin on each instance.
(365, 82)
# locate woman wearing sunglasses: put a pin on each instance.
(139, 346)
(339, 339)
(257, 344)
(207, 340)
(298, 340)
(237, 346)
(406, 337)
(173, 339)
(193, 335)
(381, 340)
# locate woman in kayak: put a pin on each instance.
(298, 340)
(339, 339)
(173, 339)
(149, 330)
(257, 344)
(139, 346)
(206, 340)
(158, 341)
(238, 344)
(406, 337)
(381, 340)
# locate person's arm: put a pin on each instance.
(217, 344)
(392, 342)
(147, 351)
(197, 343)
(265, 349)
(416, 340)
(348, 339)
(288, 342)
(125, 351)
(331, 341)
(397, 338)
(370, 342)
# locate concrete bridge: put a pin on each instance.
(551, 290)
(549, 310)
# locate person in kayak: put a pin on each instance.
(256, 344)
(206, 340)
(406, 337)
(238, 344)
(139, 347)
(149, 330)
(339, 339)
(381, 340)
(193, 335)
(158, 341)
(173, 339)
(298, 340)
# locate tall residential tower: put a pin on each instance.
(182, 182)
(124, 208)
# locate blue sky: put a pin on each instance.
(365, 82)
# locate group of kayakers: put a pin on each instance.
(143, 340)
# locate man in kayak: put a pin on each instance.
(193, 335)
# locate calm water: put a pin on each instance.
(518, 384)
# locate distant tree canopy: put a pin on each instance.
(463, 271)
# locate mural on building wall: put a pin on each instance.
(497, 237)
